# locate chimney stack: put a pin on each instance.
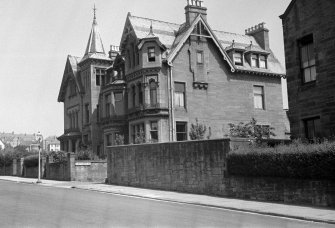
(261, 35)
(193, 8)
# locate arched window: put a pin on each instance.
(153, 93)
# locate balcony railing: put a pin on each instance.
(146, 107)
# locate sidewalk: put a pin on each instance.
(288, 211)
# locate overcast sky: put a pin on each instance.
(37, 35)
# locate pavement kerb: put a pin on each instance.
(255, 211)
(213, 206)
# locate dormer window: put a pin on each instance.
(238, 58)
(262, 62)
(259, 61)
(151, 54)
(254, 60)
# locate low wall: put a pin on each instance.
(200, 167)
(95, 171)
(6, 170)
(281, 190)
(71, 170)
(31, 172)
(194, 166)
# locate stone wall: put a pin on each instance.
(315, 98)
(200, 167)
(91, 171)
(194, 166)
(6, 170)
(71, 170)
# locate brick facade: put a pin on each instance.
(311, 102)
(164, 76)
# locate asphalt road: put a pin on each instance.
(28, 205)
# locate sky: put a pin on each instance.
(37, 35)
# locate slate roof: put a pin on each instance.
(171, 34)
(95, 48)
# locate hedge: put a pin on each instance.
(31, 161)
(297, 160)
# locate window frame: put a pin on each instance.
(180, 94)
(151, 54)
(154, 131)
(241, 58)
(262, 95)
(201, 53)
(183, 133)
(316, 131)
(252, 60)
(153, 93)
(308, 43)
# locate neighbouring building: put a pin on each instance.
(51, 143)
(309, 37)
(28, 140)
(2, 145)
(164, 76)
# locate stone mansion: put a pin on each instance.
(163, 77)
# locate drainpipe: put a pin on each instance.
(171, 103)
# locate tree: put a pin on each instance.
(197, 131)
(251, 130)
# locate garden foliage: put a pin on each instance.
(297, 160)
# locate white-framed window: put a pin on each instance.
(200, 57)
(151, 54)
(258, 97)
(254, 60)
(238, 60)
(179, 94)
(262, 62)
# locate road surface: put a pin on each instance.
(31, 205)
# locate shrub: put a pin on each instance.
(197, 131)
(31, 160)
(85, 153)
(59, 156)
(297, 160)
(251, 130)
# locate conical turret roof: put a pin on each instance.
(95, 47)
(94, 44)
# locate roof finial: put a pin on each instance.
(94, 11)
(151, 31)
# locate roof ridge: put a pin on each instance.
(155, 20)
(233, 33)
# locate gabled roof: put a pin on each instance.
(184, 36)
(70, 71)
(288, 9)
(173, 37)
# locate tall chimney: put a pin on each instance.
(261, 35)
(193, 8)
